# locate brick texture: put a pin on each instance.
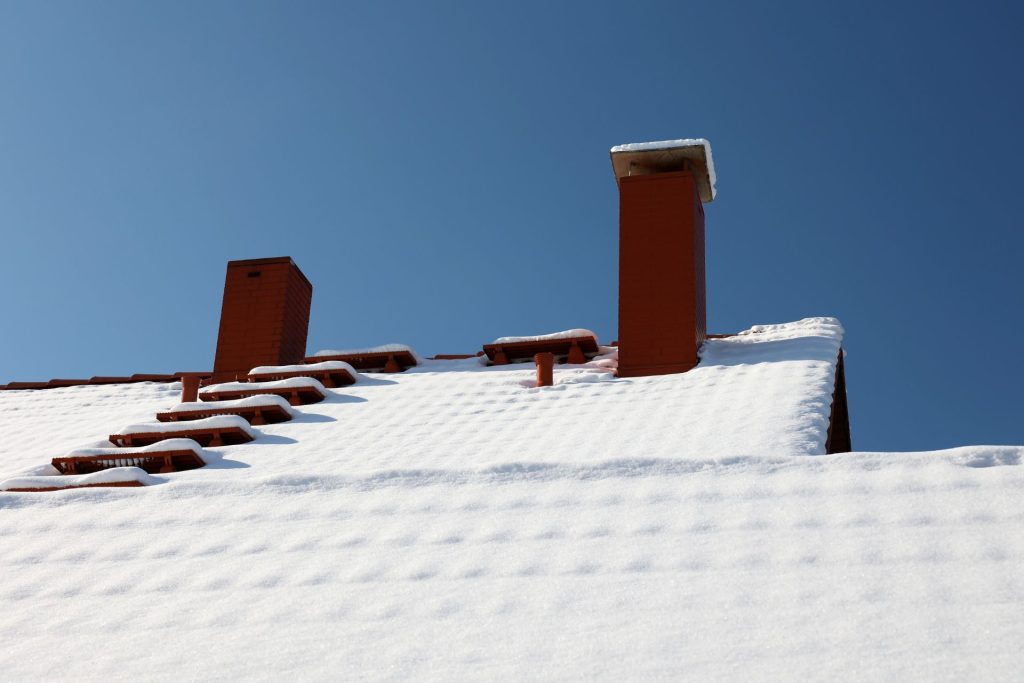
(265, 316)
(662, 315)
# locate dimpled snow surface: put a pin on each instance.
(453, 522)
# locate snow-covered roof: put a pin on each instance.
(456, 522)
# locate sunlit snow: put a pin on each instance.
(454, 522)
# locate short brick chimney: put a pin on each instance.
(265, 316)
(662, 189)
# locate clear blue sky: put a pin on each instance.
(440, 172)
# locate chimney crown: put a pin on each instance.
(644, 158)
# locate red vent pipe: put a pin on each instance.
(545, 368)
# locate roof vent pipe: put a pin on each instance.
(189, 388)
(575, 356)
(545, 368)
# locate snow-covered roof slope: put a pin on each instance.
(454, 523)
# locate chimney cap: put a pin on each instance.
(643, 158)
(262, 261)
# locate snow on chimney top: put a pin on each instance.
(643, 158)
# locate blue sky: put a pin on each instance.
(440, 172)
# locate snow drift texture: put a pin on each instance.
(454, 523)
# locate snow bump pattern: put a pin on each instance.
(454, 523)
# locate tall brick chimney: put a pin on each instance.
(265, 316)
(662, 318)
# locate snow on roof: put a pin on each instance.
(107, 448)
(383, 348)
(310, 367)
(112, 475)
(290, 383)
(263, 400)
(215, 422)
(453, 522)
(565, 334)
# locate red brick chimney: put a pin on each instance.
(265, 316)
(662, 319)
